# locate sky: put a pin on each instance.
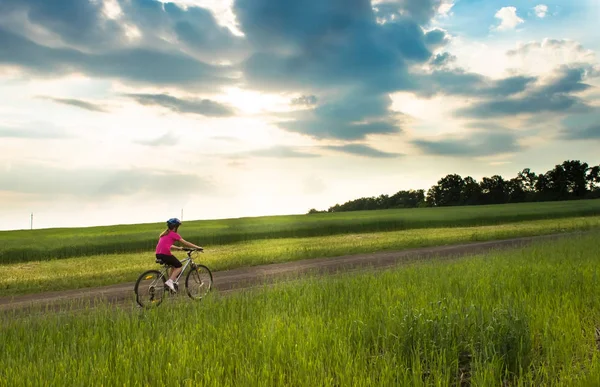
(134, 111)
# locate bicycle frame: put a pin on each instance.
(185, 263)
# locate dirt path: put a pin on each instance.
(237, 279)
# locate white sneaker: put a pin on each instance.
(170, 284)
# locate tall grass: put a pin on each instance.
(525, 317)
(22, 246)
(98, 270)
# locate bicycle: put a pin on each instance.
(153, 281)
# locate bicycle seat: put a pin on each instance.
(160, 262)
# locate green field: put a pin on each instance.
(523, 317)
(97, 270)
(36, 245)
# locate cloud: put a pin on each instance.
(508, 18)
(481, 143)
(459, 82)
(280, 151)
(86, 25)
(348, 117)
(553, 96)
(204, 107)
(586, 133)
(566, 45)
(421, 11)
(315, 45)
(137, 65)
(193, 28)
(78, 103)
(307, 100)
(541, 10)
(168, 139)
(362, 150)
(34, 130)
(436, 38)
(582, 126)
(442, 60)
(74, 21)
(101, 182)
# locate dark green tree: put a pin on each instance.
(447, 192)
(593, 178)
(471, 192)
(494, 190)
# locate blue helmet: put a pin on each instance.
(173, 222)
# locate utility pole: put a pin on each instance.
(32, 221)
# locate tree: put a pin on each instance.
(494, 190)
(576, 177)
(447, 192)
(593, 178)
(557, 183)
(528, 180)
(542, 188)
(471, 192)
(516, 191)
(407, 199)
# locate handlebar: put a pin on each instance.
(190, 249)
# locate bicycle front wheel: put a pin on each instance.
(198, 282)
(150, 289)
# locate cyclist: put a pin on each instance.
(164, 246)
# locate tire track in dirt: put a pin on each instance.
(247, 277)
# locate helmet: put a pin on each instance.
(173, 221)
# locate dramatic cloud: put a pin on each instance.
(508, 18)
(436, 38)
(318, 45)
(587, 133)
(350, 117)
(541, 10)
(78, 22)
(101, 182)
(442, 60)
(484, 143)
(460, 82)
(203, 107)
(78, 103)
(553, 96)
(420, 10)
(193, 28)
(136, 64)
(86, 25)
(363, 150)
(582, 126)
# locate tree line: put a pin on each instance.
(570, 180)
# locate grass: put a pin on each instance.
(81, 272)
(523, 318)
(35, 245)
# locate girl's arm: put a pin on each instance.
(189, 244)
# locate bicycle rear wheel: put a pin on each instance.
(198, 282)
(150, 288)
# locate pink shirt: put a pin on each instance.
(165, 243)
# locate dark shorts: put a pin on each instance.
(169, 260)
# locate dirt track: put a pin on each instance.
(236, 279)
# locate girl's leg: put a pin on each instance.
(175, 273)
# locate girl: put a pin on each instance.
(164, 246)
